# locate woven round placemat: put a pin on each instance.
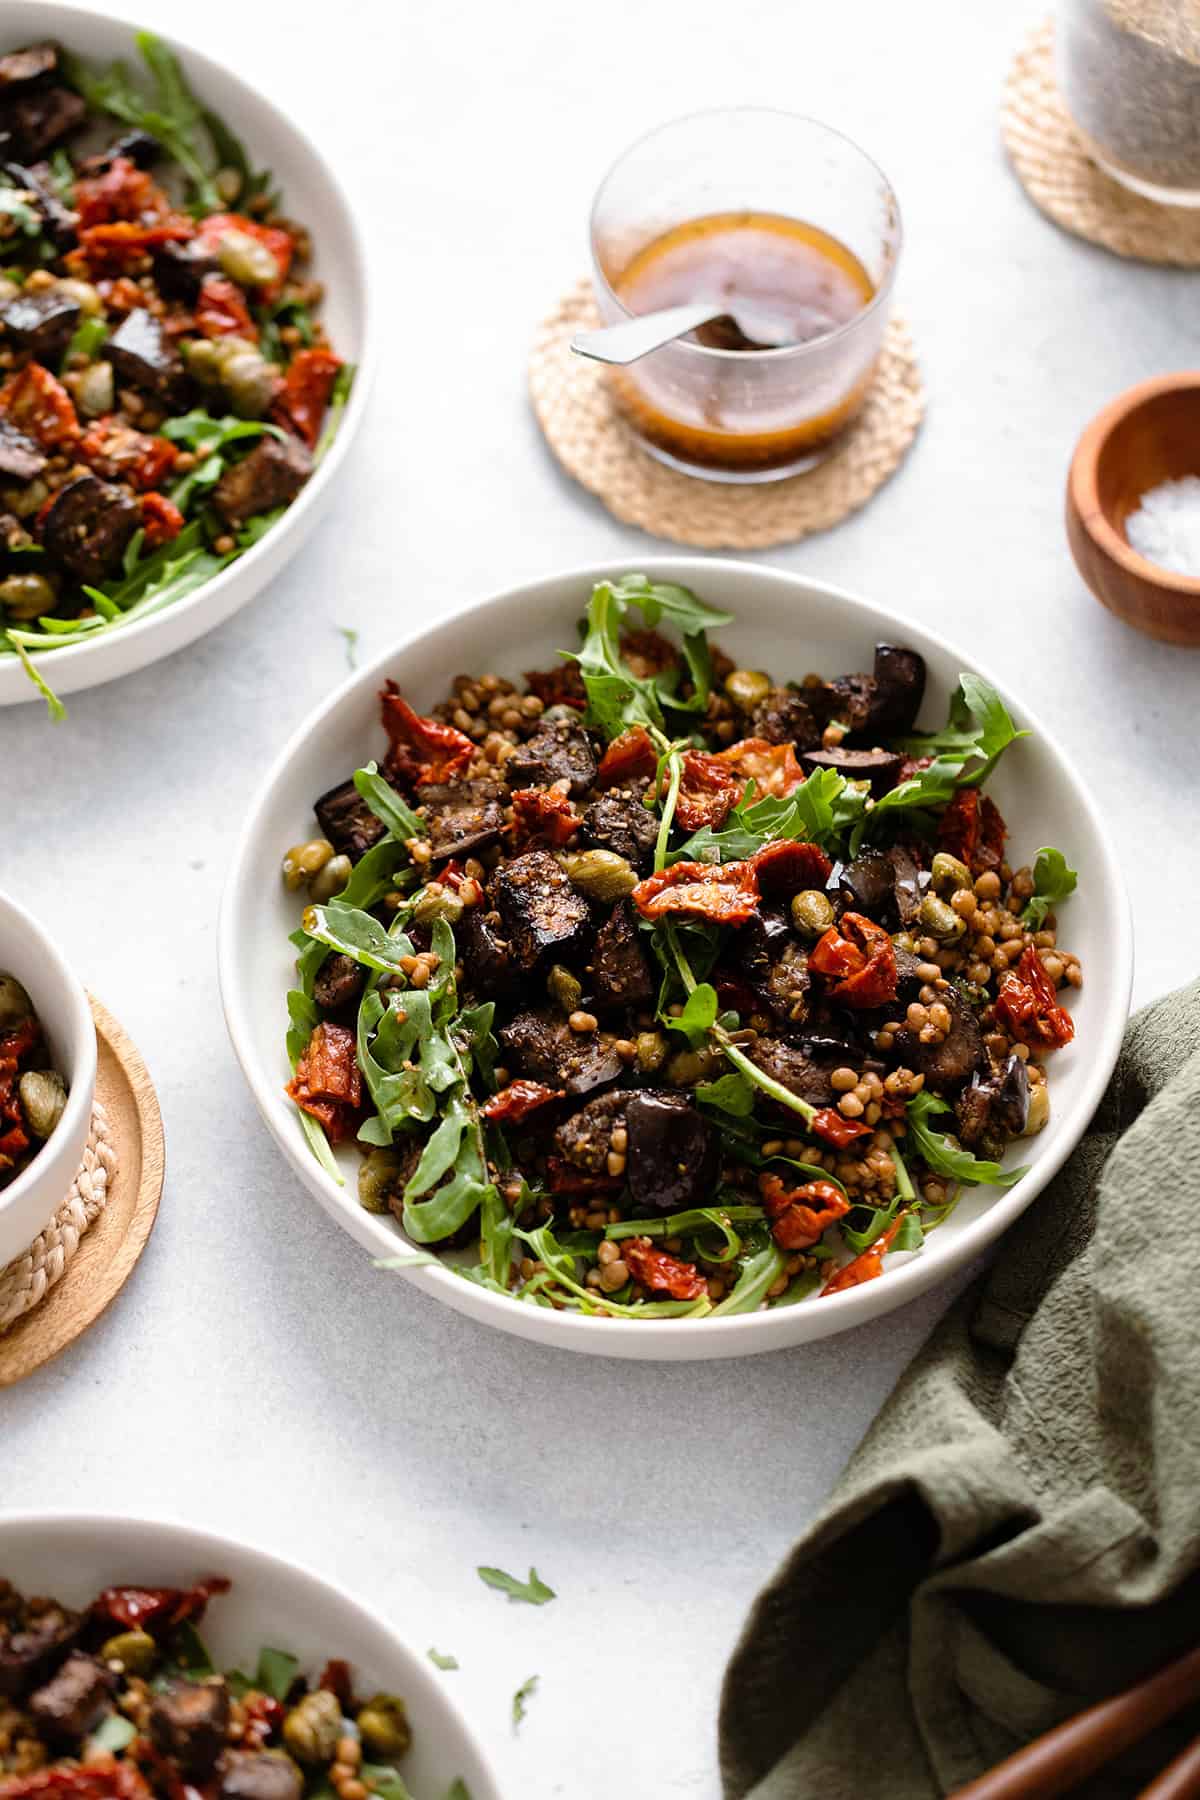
(592, 442)
(1054, 168)
(28, 1278)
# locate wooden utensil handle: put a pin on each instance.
(1180, 1780)
(1059, 1761)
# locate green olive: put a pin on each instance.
(941, 921)
(26, 596)
(135, 1650)
(312, 1728)
(331, 879)
(251, 382)
(812, 913)
(437, 902)
(949, 874)
(15, 1003)
(1039, 1110)
(203, 358)
(651, 1051)
(246, 260)
(747, 688)
(381, 1178)
(383, 1726)
(93, 389)
(564, 989)
(687, 1067)
(43, 1096)
(303, 861)
(601, 875)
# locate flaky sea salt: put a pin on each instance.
(1165, 529)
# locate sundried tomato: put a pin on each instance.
(37, 403)
(789, 865)
(121, 191)
(868, 1264)
(221, 310)
(563, 1177)
(156, 1609)
(860, 958)
(119, 294)
(12, 1143)
(161, 519)
(327, 1083)
(559, 686)
(305, 393)
(630, 757)
(423, 750)
(661, 1272)
(708, 791)
(772, 767)
(973, 829)
(836, 1128)
(1027, 1006)
(110, 249)
(213, 230)
(515, 1102)
(262, 1719)
(107, 1780)
(336, 1679)
(724, 894)
(544, 816)
(118, 452)
(800, 1215)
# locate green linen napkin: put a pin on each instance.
(1018, 1535)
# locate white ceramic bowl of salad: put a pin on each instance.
(72, 1557)
(787, 625)
(313, 195)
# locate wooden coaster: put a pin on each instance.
(592, 442)
(1059, 176)
(105, 1256)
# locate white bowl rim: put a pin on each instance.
(82, 1090)
(736, 1334)
(206, 1541)
(364, 370)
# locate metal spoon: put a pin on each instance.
(635, 338)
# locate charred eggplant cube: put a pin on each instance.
(542, 913)
(347, 821)
(673, 1156)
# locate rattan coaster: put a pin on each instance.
(593, 443)
(1060, 177)
(62, 1284)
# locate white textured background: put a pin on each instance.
(257, 1376)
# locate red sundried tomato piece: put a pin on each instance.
(212, 231)
(12, 1143)
(119, 294)
(37, 403)
(708, 791)
(305, 393)
(155, 1609)
(336, 1679)
(772, 767)
(221, 310)
(120, 453)
(992, 833)
(724, 895)
(560, 686)
(973, 829)
(836, 1128)
(860, 959)
(1027, 1006)
(108, 1780)
(867, 1265)
(423, 750)
(662, 1272)
(630, 757)
(790, 865)
(161, 519)
(122, 191)
(327, 1083)
(516, 1101)
(17, 1043)
(800, 1215)
(110, 249)
(262, 1719)
(544, 816)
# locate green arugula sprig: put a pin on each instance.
(533, 1592)
(1052, 881)
(617, 698)
(821, 811)
(943, 1154)
(520, 1700)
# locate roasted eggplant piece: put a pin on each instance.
(141, 355)
(20, 457)
(137, 147)
(621, 974)
(464, 818)
(487, 960)
(181, 269)
(43, 324)
(88, 526)
(75, 1699)
(560, 750)
(618, 821)
(271, 476)
(347, 821)
(34, 118)
(544, 1047)
(673, 1156)
(784, 717)
(543, 915)
(947, 1065)
(796, 1069)
(585, 1139)
(899, 690)
(30, 1650)
(880, 767)
(188, 1722)
(25, 68)
(59, 223)
(339, 983)
(258, 1775)
(786, 989)
(994, 1108)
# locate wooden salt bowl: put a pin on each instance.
(1147, 435)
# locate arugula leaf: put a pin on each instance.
(731, 1093)
(523, 1693)
(1052, 881)
(440, 1661)
(54, 706)
(964, 755)
(387, 804)
(617, 698)
(276, 1672)
(15, 204)
(533, 1592)
(112, 1734)
(820, 812)
(188, 1651)
(699, 1013)
(668, 600)
(356, 933)
(760, 1272)
(385, 1781)
(231, 154)
(457, 1790)
(946, 1157)
(339, 399)
(878, 1219)
(351, 639)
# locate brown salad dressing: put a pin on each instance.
(787, 283)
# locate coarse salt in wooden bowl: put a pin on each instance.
(1146, 436)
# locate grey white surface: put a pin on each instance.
(257, 1376)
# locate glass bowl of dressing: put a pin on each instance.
(796, 233)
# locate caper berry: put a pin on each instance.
(303, 861)
(941, 921)
(135, 1650)
(312, 1728)
(15, 1003)
(26, 596)
(564, 988)
(437, 902)
(247, 261)
(812, 912)
(380, 1179)
(383, 1726)
(651, 1051)
(747, 687)
(601, 875)
(43, 1096)
(331, 879)
(949, 874)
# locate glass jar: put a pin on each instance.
(1129, 72)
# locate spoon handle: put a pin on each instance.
(634, 338)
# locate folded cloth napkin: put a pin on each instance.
(1018, 1535)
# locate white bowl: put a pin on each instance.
(312, 194)
(30, 1202)
(72, 1556)
(784, 623)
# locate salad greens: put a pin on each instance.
(1052, 881)
(442, 1661)
(533, 1592)
(519, 1699)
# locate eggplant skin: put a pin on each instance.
(673, 1158)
